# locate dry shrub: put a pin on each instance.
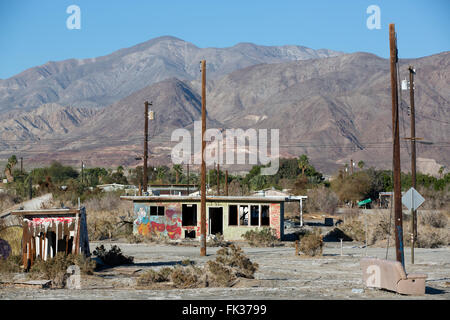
(429, 237)
(187, 277)
(104, 217)
(234, 258)
(220, 275)
(264, 237)
(378, 227)
(7, 200)
(13, 235)
(321, 199)
(354, 228)
(112, 257)
(217, 241)
(312, 244)
(102, 225)
(435, 219)
(11, 264)
(55, 269)
(230, 264)
(151, 276)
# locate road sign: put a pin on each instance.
(412, 199)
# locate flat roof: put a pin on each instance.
(44, 212)
(214, 198)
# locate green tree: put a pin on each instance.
(178, 168)
(361, 164)
(303, 163)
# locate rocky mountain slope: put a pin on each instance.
(332, 108)
(104, 80)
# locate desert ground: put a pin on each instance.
(281, 275)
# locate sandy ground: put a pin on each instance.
(281, 275)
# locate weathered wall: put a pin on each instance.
(170, 225)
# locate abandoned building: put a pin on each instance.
(178, 217)
(47, 232)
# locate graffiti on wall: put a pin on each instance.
(275, 218)
(168, 225)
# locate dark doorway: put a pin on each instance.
(189, 215)
(215, 220)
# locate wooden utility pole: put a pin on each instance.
(396, 147)
(226, 183)
(351, 165)
(82, 172)
(188, 179)
(203, 168)
(21, 165)
(145, 176)
(413, 157)
(218, 179)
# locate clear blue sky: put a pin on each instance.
(34, 32)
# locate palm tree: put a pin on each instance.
(303, 163)
(160, 174)
(12, 161)
(361, 164)
(178, 171)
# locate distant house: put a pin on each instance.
(178, 217)
(172, 189)
(270, 192)
(113, 187)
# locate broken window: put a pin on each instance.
(243, 215)
(254, 215)
(265, 221)
(232, 215)
(189, 234)
(189, 215)
(156, 210)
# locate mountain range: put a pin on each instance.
(330, 105)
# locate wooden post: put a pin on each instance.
(145, 177)
(218, 179)
(203, 168)
(226, 183)
(396, 147)
(188, 179)
(296, 247)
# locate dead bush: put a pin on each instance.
(435, 219)
(220, 275)
(7, 200)
(112, 257)
(354, 228)
(151, 276)
(321, 199)
(11, 264)
(234, 257)
(55, 269)
(187, 277)
(312, 244)
(217, 241)
(264, 237)
(430, 237)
